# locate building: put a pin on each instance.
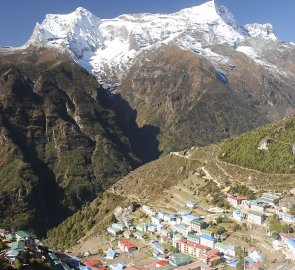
(117, 266)
(192, 249)
(208, 232)
(158, 264)
(285, 237)
(143, 227)
(148, 210)
(179, 259)
(128, 222)
(24, 236)
(256, 256)
(119, 226)
(126, 246)
(256, 217)
(291, 245)
(18, 246)
(110, 254)
(195, 238)
(170, 218)
(230, 251)
(235, 201)
(211, 257)
(258, 206)
(175, 240)
(238, 216)
(221, 247)
(12, 255)
(207, 240)
(3, 232)
(95, 263)
(139, 235)
(195, 266)
(197, 225)
(151, 228)
(183, 230)
(156, 246)
(156, 220)
(162, 214)
(114, 231)
(269, 198)
(288, 218)
(187, 219)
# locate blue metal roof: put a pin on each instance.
(208, 237)
(292, 242)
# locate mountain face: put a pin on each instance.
(184, 95)
(107, 47)
(61, 144)
(177, 80)
(243, 75)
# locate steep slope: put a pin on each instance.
(60, 142)
(191, 102)
(250, 81)
(195, 174)
(269, 148)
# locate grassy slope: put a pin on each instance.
(243, 150)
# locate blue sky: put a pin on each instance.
(18, 17)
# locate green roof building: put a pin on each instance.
(9, 237)
(193, 238)
(207, 232)
(22, 234)
(179, 259)
(18, 246)
(221, 246)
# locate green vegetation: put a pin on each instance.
(79, 224)
(276, 226)
(61, 140)
(243, 150)
(243, 190)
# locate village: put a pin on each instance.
(149, 238)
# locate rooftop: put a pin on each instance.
(256, 213)
(193, 244)
(197, 221)
(23, 234)
(207, 237)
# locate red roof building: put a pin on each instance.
(235, 200)
(211, 257)
(126, 246)
(191, 248)
(94, 264)
(157, 264)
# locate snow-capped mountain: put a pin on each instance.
(107, 47)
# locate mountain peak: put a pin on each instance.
(264, 31)
(113, 44)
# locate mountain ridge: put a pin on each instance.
(107, 47)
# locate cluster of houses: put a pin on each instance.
(256, 211)
(17, 243)
(187, 235)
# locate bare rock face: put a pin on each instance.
(178, 92)
(263, 144)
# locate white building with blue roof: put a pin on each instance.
(207, 240)
(291, 245)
